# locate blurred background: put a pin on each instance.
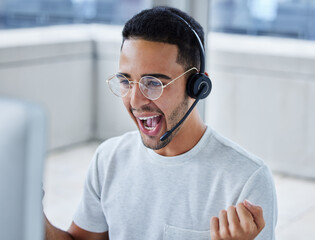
(260, 57)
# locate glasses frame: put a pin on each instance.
(135, 82)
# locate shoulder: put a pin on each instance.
(244, 174)
(124, 141)
(116, 146)
(230, 156)
(113, 152)
(234, 150)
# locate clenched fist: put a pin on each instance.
(243, 222)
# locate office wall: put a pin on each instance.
(64, 68)
(53, 67)
(264, 96)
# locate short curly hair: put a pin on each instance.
(160, 24)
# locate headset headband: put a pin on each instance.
(201, 48)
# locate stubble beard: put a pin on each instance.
(172, 120)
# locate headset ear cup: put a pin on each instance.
(195, 84)
(190, 85)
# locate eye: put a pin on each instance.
(124, 81)
(153, 83)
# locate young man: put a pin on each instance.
(193, 185)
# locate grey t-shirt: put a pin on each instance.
(134, 193)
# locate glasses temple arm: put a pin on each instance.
(193, 68)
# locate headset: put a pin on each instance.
(198, 85)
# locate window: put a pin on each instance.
(32, 13)
(283, 18)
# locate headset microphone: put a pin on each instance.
(168, 133)
(198, 85)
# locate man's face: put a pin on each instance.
(154, 117)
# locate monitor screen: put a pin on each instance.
(22, 152)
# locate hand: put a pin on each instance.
(243, 222)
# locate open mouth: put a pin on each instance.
(150, 125)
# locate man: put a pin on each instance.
(193, 185)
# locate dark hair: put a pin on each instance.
(160, 24)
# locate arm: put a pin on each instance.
(73, 233)
(52, 232)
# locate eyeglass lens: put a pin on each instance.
(151, 87)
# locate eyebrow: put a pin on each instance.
(156, 75)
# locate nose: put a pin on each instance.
(137, 99)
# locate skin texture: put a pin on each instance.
(139, 58)
(242, 222)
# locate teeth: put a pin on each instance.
(146, 118)
(149, 128)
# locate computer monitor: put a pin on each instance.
(22, 152)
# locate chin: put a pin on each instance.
(154, 143)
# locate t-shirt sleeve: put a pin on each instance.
(260, 190)
(89, 214)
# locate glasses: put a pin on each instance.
(151, 87)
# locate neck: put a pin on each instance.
(186, 138)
